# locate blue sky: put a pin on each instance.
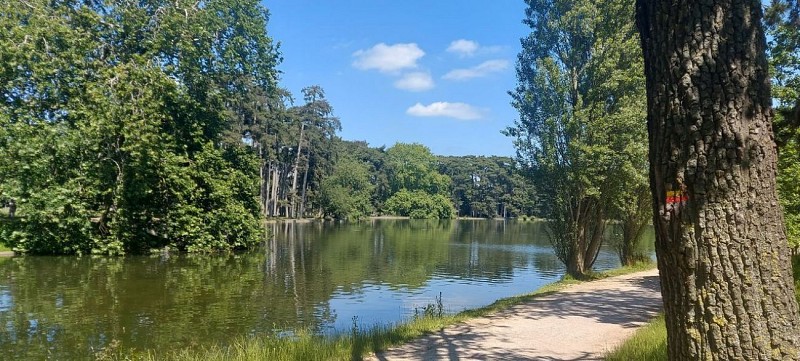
(430, 72)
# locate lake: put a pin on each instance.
(321, 276)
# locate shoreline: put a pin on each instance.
(364, 343)
(385, 217)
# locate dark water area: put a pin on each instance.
(320, 276)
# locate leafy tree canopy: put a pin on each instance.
(114, 115)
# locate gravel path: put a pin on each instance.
(580, 322)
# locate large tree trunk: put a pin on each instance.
(575, 266)
(722, 252)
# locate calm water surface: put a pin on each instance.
(319, 276)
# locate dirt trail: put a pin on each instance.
(581, 322)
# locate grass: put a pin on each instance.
(650, 341)
(353, 345)
(647, 343)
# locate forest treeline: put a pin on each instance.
(408, 180)
(134, 125)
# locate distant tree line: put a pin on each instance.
(408, 180)
(489, 187)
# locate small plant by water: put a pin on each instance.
(431, 310)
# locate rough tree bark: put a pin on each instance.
(722, 252)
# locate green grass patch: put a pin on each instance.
(647, 343)
(4, 248)
(641, 266)
(353, 345)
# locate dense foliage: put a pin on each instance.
(407, 180)
(346, 193)
(418, 189)
(581, 132)
(114, 122)
(489, 187)
(783, 27)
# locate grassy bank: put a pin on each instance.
(650, 342)
(353, 345)
(647, 343)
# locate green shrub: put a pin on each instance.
(419, 205)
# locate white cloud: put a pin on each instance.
(388, 58)
(445, 109)
(416, 81)
(463, 47)
(484, 69)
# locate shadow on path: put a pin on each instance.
(578, 323)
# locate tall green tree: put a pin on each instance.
(726, 275)
(375, 158)
(295, 144)
(413, 167)
(783, 27)
(417, 188)
(783, 20)
(347, 192)
(319, 137)
(575, 94)
(619, 101)
(115, 115)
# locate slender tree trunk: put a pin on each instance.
(283, 197)
(303, 196)
(268, 190)
(627, 248)
(274, 195)
(722, 251)
(595, 241)
(293, 193)
(263, 179)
